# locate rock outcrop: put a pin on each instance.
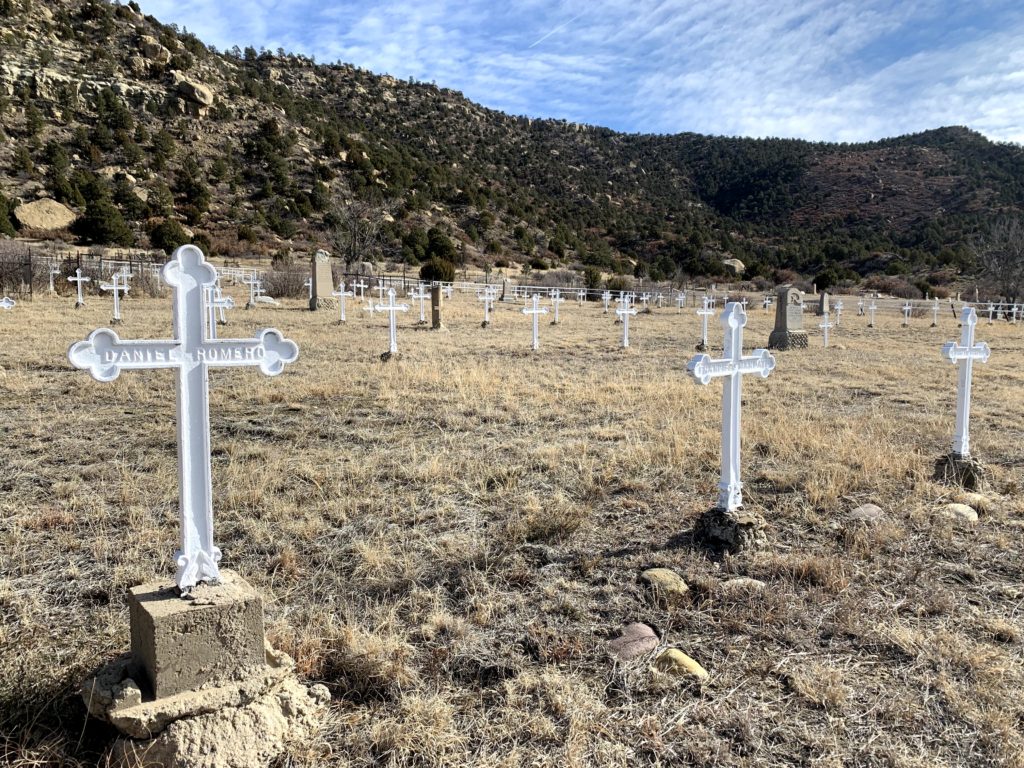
(45, 214)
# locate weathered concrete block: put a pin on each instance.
(183, 643)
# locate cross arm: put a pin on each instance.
(269, 350)
(104, 355)
(955, 352)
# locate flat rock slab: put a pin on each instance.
(667, 586)
(866, 513)
(673, 661)
(960, 513)
(978, 502)
(636, 640)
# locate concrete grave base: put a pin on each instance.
(235, 721)
(723, 531)
(961, 471)
(388, 356)
(784, 340)
(115, 321)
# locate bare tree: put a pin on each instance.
(358, 231)
(1000, 254)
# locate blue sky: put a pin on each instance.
(830, 71)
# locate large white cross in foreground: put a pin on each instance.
(964, 354)
(731, 367)
(104, 355)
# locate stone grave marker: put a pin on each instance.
(624, 311)
(732, 366)
(341, 294)
(321, 282)
(823, 305)
(78, 280)
(435, 307)
(536, 311)
(254, 283)
(789, 332)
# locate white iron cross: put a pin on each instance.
(935, 312)
(766, 302)
(7, 303)
(991, 310)
(117, 287)
(680, 301)
(644, 298)
(78, 280)
(556, 301)
(907, 309)
(214, 301)
(705, 313)
(659, 299)
(580, 296)
(624, 311)
(342, 294)
(605, 298)
(362, 286)
(488, 299)
(964, 354)
(53, 272)
(309, 284)
(871, 314)
(421, 294)
(839, 313)
(860, 307)
(731, 367)
(536, 311)
(448, 291)
(392, 309)
(252, 281)
(825, 325)
(104, 355)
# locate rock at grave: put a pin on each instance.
(735, 266)
(960, 513)
(823, 304)
(323, 282)
(789, 320)
(866, 513)
(978, 502)
(635, 640)
(673, 661)
(740, 585)
(723, 531)
(963, 471)
(667, 587)
(45, 214)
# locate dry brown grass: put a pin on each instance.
(449, 540)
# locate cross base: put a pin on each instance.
(116, 321)
(961, 471)
(485, 324)
(322, 302)
(79, 304)
(784, 340)
(701, 347)
(722, 530)
(386, 356)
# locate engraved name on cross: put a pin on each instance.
(105, 355)
(731, 367)
(964, 354)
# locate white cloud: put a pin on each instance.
(814, 69)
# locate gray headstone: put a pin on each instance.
(435, 307)
(823, 303)
(789, 320)
(323, 282)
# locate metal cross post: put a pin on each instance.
(421, 294)
(341, 295)
(964, 354)
(556, 301)
(871, 314)
(907, 309)
(605, 298)
(991, 310)
(624, 311)
(536, 311)
(78, 280)
(766, 302)
(392, 309)
(214, 301)
(825, 325)
(105, 355)
(309, 284)
(860, 307)
(362, 286)
(117, 287)
(488, 299)
(935, 312)
(704, 313)
(252, 281)
(680, 301)
(731, 367)
(580, 296)
(839, 313)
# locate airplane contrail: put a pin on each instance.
(556, 29)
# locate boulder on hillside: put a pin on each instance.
(45, 214)
(735, 266)
(153, 50)
(196, 92)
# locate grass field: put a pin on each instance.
(448, 540)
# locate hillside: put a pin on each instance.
(121, 117)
